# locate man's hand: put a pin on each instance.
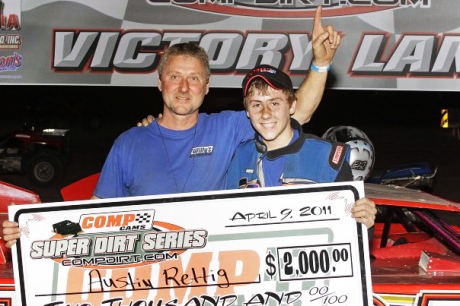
(325, 41)
(11, 232)
(148, 120)
(364, 212)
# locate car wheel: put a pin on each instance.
(44, 170)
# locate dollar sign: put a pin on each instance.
(269, 259)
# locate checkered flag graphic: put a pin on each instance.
(144, 218)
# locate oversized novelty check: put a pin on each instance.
(275, 246)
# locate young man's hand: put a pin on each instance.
(325, 41)
(364, 212)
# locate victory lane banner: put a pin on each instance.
(386, 44)
(274, 246)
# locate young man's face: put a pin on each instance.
(183, 85)
(270, 115)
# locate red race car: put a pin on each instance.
(415, 248)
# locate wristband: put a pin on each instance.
(320, 69)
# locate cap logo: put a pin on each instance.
(263, 69)
(274, 77)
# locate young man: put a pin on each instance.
(280, 153)
(186, 151)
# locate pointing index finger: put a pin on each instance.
(317, 26)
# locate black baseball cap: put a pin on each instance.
(274, 77)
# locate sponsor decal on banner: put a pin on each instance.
(10, 63)
(10, 41)
(10, 24)
(292, 8)
(10, 14)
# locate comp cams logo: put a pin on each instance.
(293, 8)
(120, 221)
(126, 238)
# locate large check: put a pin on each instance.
(275, 246)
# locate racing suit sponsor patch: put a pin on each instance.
(337, 154)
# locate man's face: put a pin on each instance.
(270, 115)
(183, 85)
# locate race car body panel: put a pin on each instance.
(405, 197)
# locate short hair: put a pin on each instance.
(191, 49)
(260, 85)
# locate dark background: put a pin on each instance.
(403, 126)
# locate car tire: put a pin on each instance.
(45, 170)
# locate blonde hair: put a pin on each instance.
(190, 49)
